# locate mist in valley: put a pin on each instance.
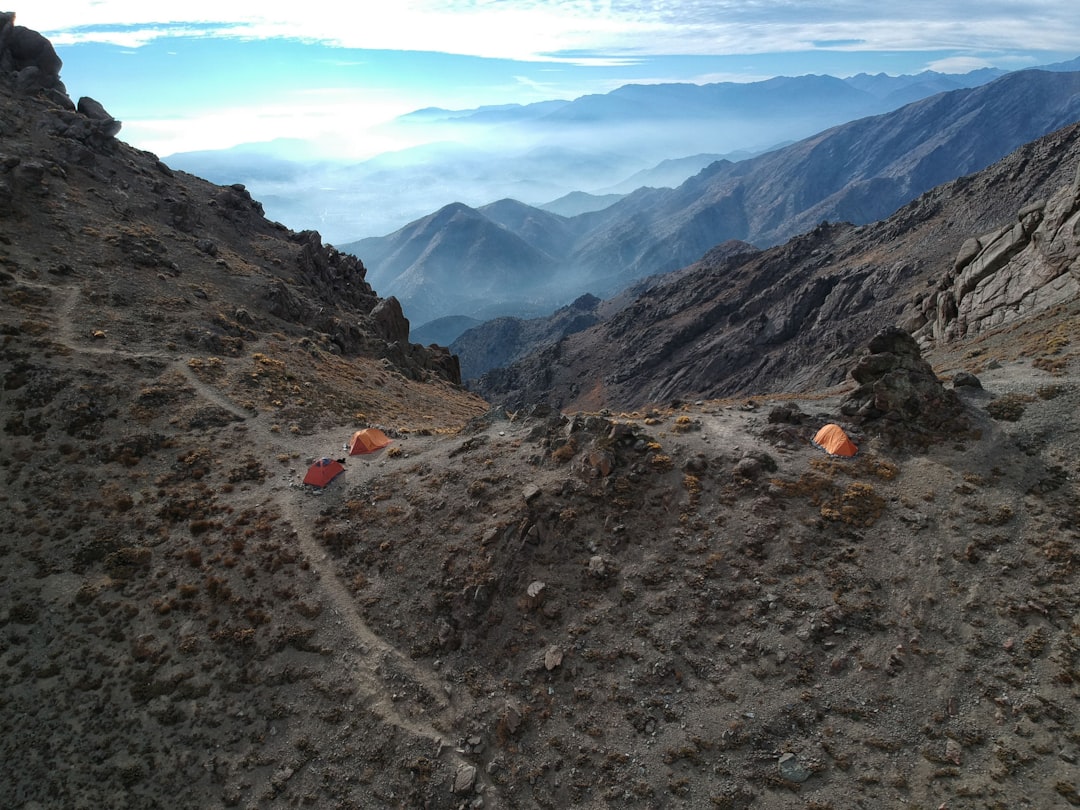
(534, 153)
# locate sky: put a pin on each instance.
(209, 75)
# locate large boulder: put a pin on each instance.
(898, 394)
(94, 110)
(28, 58)
(389, 320)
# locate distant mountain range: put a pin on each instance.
(794, 317)
(512, 259)
(538, 153)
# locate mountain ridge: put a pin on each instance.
(360, 200)
(859, 172)
(699, 339)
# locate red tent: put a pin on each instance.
(323, 471)
(367, 440)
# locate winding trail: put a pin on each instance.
(401, 693)
(65, 335)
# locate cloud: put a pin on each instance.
(579, 31)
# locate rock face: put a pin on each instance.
(898, 392)
(1026, 266)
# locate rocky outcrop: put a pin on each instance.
(898, 393)
(1021, 268)
(29, 63)
(29, 59)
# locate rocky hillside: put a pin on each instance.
(501, 341)
(792, 318)
(668, 608)
(204, 254)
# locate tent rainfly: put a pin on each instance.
(834, 441)
(323, 471)
(367, 440)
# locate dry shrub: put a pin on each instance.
(692, 484)
(565, 452)
(683, 424)
(859, 505)
(1009, 407)
(1048, 391)
(811, 485)
(1051, 365)
(661, 462)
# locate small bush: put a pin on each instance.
(1008, 408)
(859, 505)
(565, 452)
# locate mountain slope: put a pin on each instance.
(457, 261)
(792, 317)
(858, 172)
(501, 341)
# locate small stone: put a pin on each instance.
(965, 379)
(954, 753)
(792, 770)
(748, 467)
(511, 718)
(464, 779)
(552, 658)
(530, 492)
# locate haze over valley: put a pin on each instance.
(537, 153)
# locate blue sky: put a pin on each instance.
(203, 75)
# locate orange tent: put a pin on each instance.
(323, 471)
(835, 442)
(367, 440)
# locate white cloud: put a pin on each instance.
(339, 122)
(581, 29)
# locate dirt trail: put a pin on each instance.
(402, 694)
(65, 335)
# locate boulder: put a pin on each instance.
(94, 110)
(389, 320)
(898, 392)
(965, 379)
